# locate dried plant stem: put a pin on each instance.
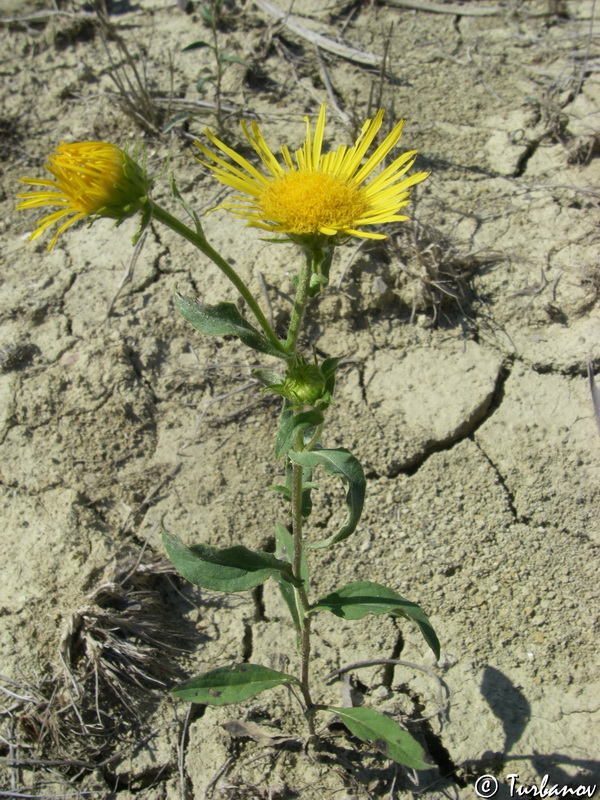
(462, 9)
(219, 66)
(295, 25)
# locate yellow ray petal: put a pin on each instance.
(318, 143)
(380, 153)
(240, 160)
(355, 154)
(259, 144)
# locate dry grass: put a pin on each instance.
(590, 280)
(117, 654)
(129, 73)
(430, 274)
(122, 642)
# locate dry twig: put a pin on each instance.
(331, 46)
(456, 9)
(443, 702)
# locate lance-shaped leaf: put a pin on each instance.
(195, 46)
(268, 376)
(227, 569)
(175, 120)
(230, 57)
(223, 319)
(329, 368)
(290, 424)
(385, 734)
(343, 464)
(231, 684)
(356, 600)
(207, 14)
(177, 194)
(284, 543)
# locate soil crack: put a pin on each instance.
(510, 498)
(466, 430)
(247, 642)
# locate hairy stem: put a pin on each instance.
(200, 242)
(299, 305)
(301, 299)
(301, 592)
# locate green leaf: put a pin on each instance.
(195, 46)
(356, 600)
(290, 424)
(202, 82)
(329, 368)
(385, 734)
(225, 56)
(342, 463)
(284, 542)
(174, 121)
(307, 487)
(321, 264)
(227, 569)
(267, 376)
(306, 498)
(223, 319)
(207, 14)
(192, 213)
(231, 684)
(284, 490)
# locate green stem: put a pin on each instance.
(301, 591)
(315, 437)
(200, 242)
(299, 304)
(301, 299)
(297, 474)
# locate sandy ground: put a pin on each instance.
(464, 393)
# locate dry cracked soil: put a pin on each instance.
(466, 337)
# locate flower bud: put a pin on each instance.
(91, 179)
(304, 384)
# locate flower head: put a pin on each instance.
(322, 194)
(91, 179)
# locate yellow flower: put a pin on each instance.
(91, 179)
(322, 194)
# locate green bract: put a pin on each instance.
(307, 384)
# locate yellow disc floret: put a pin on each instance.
(313, 202)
